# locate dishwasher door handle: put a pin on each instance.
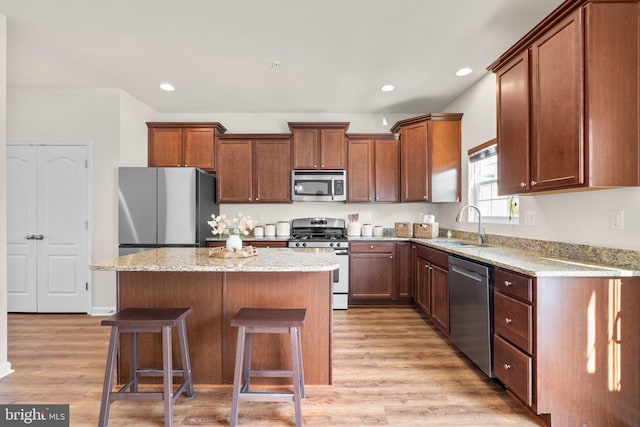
(469, 274)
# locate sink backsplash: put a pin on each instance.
(622, 258)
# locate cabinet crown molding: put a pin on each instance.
(216, 125)
(322, 125)
(425, 117)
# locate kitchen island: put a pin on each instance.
(216, 288)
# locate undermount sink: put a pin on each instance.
(455, 243)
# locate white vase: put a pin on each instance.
(234, 242)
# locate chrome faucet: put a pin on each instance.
(481, 235)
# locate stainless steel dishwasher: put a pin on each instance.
(471, 310)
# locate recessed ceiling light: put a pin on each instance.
(387, 88)
(167, 87)
(464, 72)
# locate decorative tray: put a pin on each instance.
(223, 252)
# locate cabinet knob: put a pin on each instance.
(371, 247)
(369, 198)
(533, 183)
(523, 184)
(249, 198)
(507, 283)
(508, 320)
(315, 166)
(390, 256)
(507, 366)
(257, 198)
(322, 166)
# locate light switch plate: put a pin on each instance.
(530, 218)
(616, 219)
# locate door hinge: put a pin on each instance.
(86, 164)
(86, 225)
(86, 286)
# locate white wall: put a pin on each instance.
(79, 115)
(576, 217)
(5, 366)
(133, 130)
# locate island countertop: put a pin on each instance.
(198, 259)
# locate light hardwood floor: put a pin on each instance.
(391, 367)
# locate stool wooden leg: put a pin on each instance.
(167, 376)
(186, 361)
(246, 370)
(133, 368)
(237, 376)
(302, 393)
(295, 362)
(105, 404)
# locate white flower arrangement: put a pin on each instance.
(240, 224)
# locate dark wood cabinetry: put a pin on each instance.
(319, 145)
(431, 289)
(379, 273)
(373, 168)
(430, 157)
(183, 144)
(261, 243)
(254, 168)
(567, 98)
(513, 358)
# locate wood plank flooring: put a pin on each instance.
(391, 367)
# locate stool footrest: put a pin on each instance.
(257, 396)
(146, 396)
(158, 372)
(271, 373)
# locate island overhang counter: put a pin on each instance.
(216, 288)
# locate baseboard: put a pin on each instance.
(5, 369)
(102, 311)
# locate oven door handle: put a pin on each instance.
(336, 275)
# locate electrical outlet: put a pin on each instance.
(616, 220)
(365, 218)
(530, 218)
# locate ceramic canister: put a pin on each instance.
(367, 230)
(378, 231)
(354, 229)
(258, 231)
(283, 229)
(270, 230)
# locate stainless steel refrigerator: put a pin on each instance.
(160, 207)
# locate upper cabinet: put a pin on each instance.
(373, 169)
(319, 145)
(254, 168)
(430, 157)
(568, 101)
(183, 144)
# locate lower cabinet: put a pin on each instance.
(513, 333)
(379, 273)
(431, 289)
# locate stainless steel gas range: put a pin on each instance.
(326, 233)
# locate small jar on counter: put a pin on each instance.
(258, 231)
(270, 230)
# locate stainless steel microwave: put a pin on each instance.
(319, 185)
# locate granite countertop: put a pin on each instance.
(198, 259)
(527, 262)
(251, 238)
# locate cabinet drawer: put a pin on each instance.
(512, 321)
(513, 284)
(439, 258)
(373, 247)
(513, 368)
(266, 243)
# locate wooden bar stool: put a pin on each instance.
(156, 320)
(267, 321)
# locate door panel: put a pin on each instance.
(21, 220)
(62, 182)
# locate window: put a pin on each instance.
(483, 187)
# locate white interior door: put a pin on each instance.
(22, 283)
(60, 235)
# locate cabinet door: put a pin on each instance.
(387, 171)
(235, 171)
(371, 276)
(423, 291)
(415, 173)
(305, 149)
(444, 139)
(360, 171)
(557, 150)
(440, 298)
(333, 149)
(273, 171)
(404, 262)
(513, 126)
(198, 148)
(165, 147)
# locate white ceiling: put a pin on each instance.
(334, 54)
